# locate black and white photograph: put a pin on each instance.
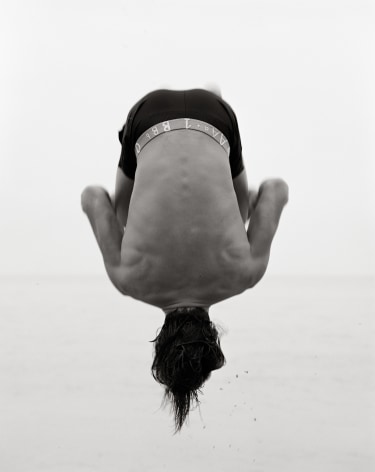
(187, 252)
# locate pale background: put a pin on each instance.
(76, 394)
(299, 76)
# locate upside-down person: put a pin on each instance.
(174, 234)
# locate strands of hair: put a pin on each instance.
(186, 350)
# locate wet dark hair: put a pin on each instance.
(186, 350)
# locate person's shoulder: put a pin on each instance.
(117, 275)
(255, 269)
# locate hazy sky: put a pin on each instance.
(298, 74)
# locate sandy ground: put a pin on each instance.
(297, 393)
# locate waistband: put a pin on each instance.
(181, 123)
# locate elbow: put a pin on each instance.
(90, 195)
(278, 187)
(86, 198)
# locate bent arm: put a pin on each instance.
(272, 197)
(96, 203)
(123, 192)
(241, 190)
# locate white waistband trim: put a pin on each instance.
(181, 123)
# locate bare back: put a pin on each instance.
(185, 242)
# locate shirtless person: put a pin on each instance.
(174, 234)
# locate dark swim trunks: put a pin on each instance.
(197, 104)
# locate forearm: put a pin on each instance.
(241, 190)
(122, 196)
(264, 221)
(243, 204)
(97, 205)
